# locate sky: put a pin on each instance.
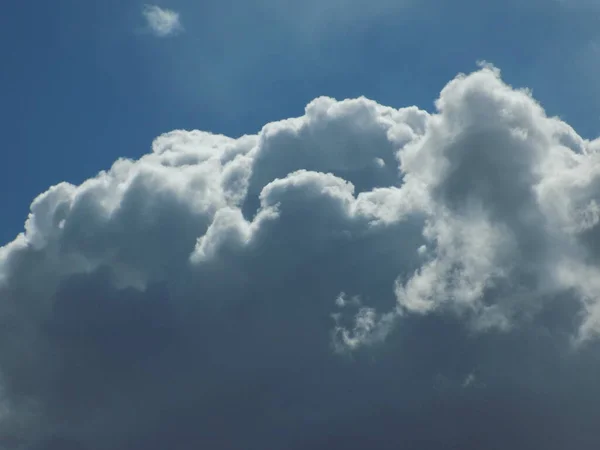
(321, 224)
(85, 82)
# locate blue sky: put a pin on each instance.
(84, 82)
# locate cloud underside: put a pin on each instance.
(161, 22)
(360, 276)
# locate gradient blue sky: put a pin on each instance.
(84, 82)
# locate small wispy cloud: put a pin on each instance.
(162, 22)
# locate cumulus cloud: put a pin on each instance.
(360, 276)
(161, 21)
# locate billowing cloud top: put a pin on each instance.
(162, 22)
(360, 276)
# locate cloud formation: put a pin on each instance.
(162, 22)
(358, 276)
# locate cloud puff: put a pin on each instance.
(162, 22)
(358, 276)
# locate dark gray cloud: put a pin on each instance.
(356, 277)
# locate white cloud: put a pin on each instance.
(196, 286)
(162, 22)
